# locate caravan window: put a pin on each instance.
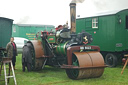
(126, 22)
(94, 22)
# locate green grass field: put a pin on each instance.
(57, 76)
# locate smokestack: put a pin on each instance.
(73, 17)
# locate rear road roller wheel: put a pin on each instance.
(36, 51)
(86, 59)
(111, 60)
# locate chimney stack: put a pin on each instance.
(73, 17)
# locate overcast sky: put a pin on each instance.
(54, 12)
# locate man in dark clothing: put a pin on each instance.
(26, 58)
(12, 51)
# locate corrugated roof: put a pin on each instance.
(105, 13)
(109, 12)
(6, 18)
(36, 25)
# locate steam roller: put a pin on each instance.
(67, 50)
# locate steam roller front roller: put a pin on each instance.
(36, 51)
(89, 63)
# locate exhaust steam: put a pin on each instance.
(77, 1)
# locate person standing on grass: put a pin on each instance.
(26, 58)
(12, 51)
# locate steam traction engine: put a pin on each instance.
(67, 50)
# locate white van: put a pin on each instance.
(20, 42)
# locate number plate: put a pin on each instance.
(81, 48)
(86, 48)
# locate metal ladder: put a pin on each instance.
(8, 60)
